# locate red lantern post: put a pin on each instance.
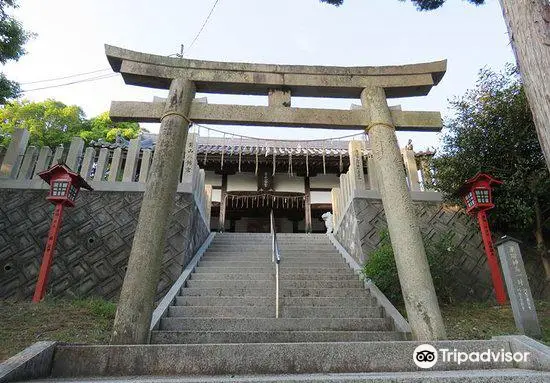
(477, 194)
(64, 187)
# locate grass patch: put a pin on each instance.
(77, 321)
(483, 321)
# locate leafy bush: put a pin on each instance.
(441, 252)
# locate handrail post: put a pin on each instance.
(275, 257)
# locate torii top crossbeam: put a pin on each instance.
(260, 79)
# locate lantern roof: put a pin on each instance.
(479, 179)
(60, 169)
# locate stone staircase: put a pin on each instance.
(221, 328)
(231, 296)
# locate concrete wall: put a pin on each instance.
(284, 183)
(320, 197)
(211, 178)
(94, 243)
(242, 182)
(326, 181)
(361, 224)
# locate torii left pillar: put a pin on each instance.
(135, 306)
(410, 256)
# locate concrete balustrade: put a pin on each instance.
(105, 169)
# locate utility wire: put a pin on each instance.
(202, 27)
(100, 77)
(65, 77)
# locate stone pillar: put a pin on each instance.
(371, 168)
(25, 172)
(43, 161)
(14, 154)
(307, 196)
(145, 165)
(135, 305)
(208, 204)
(410, 256)
(75, 153)
(335, 196)
(343, 191)
(223, 204)
(116, 161)
(412, 170)
(190, 161)
(132, 155)
(87, 163)
(279, 97)
(355, 173)
(58, 155)
(101, 164)
(427, 180)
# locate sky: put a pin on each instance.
(70, 38)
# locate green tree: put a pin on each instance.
(52, 123)
(12, 39)
(493, 131)
(528, 23)
(101, 127)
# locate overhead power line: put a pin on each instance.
(96, 78)
(202, 27)
(66, 77)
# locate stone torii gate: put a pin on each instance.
(184, 77)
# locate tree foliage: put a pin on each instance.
(441, 253)
(12, 39)
(422, 5)
(493, 131)
(52, 123)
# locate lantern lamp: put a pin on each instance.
(477, 195)
(477, 192)
(64, 187)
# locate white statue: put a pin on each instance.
(327, 217)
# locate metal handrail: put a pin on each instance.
(275, 257)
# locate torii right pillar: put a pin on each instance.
(410, 256)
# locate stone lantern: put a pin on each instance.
(477, 195)
(64, 188)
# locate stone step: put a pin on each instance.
(266, 247)
(269, 312)
(259, 358)
(271, 268)
(222, 311)
(195, 337)
(267, 262)
(267, 255)
(508, 375)
(222, 275)
(284, 292)
(272, 324)
(366, 301)
(271, 284)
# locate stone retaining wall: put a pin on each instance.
(360, 227)
(94, 242)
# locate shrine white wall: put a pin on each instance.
(284, 183)
(320, 197)
(325, 181)
(211, 178)
(242, 182)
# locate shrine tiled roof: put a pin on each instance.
(245, 146)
